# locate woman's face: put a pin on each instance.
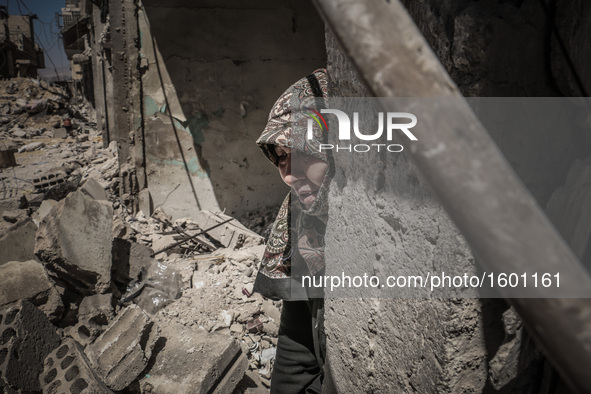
(303, 173)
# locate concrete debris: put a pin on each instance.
(94, 189)
(232, 235)
(74, 243)
(18, 243)
(29, 281)
(31, 147)
(254, 326)
(44, 210)
(129, 260)
(60, 133)
(220, 358)
(26, 338)
(94, 315)
(51, 178)
(122, 352)
(13, 216)
(145, 202)
(67, 370)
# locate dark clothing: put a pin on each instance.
(300, 348)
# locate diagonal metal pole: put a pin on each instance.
(499, 218)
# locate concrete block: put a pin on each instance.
(94, 315)
(129, 259)
(66, 370)
(232, 234)
(29, 281)
(194, 362)
(122, 352)
(26, 338)
(18, 244)
(74, 243)
(94, 189)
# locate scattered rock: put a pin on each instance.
(74, 243)
(232, 234)
(29, 281)
(220, 359)
(31, 147)
(14, 216)
(94, 189)
(18, 244)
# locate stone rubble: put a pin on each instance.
(92, 293)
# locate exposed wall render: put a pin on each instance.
(228, 62)
(175, 177)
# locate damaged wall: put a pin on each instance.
(490, 48)
(228, 62)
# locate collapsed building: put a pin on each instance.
(179, 92)
(21, 55)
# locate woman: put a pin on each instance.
(296, 244)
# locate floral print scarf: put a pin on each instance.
(297, 236)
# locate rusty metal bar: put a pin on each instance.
(499, 218)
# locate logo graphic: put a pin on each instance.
(391, 119)
(317, 117)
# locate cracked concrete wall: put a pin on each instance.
(490, 48)
(175, 175)
(228, 62)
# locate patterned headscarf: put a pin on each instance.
(287, 126)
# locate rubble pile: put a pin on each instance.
(95, 298)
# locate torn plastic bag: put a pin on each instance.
(158, 286)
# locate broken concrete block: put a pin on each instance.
(14, 216)
(26, 338)
(121, 230)
(94, 189)
(29, 281)
(232, 234)
(18, 244)
(31, 147)
(44, 209)
(74, 243)
(129, 259)
(194, 362)
(66, 370)
(122, 352)
(160, 242)
(94, 315)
